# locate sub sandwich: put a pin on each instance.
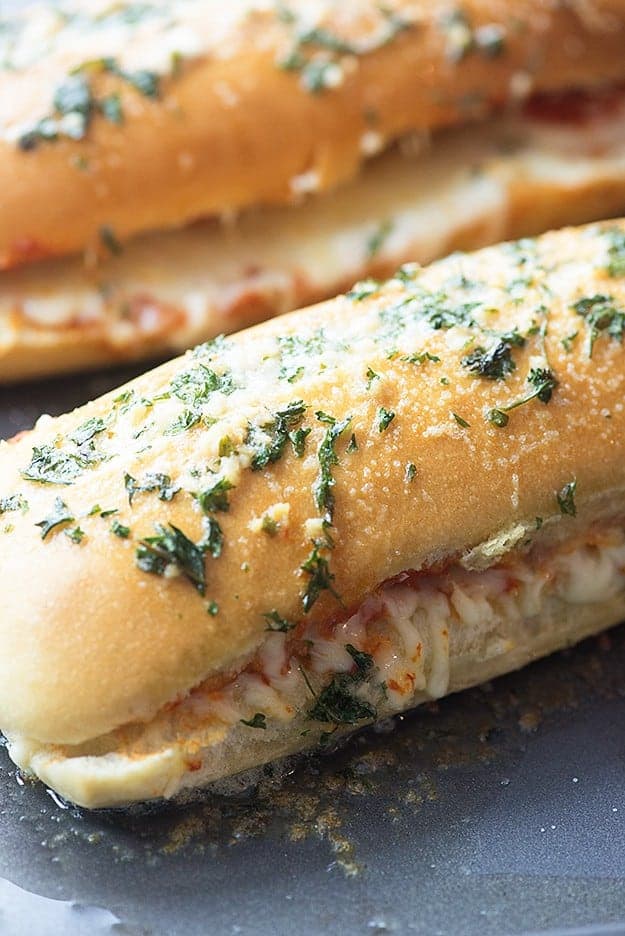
(327, 519)
(195, 167)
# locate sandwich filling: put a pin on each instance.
(406, 643)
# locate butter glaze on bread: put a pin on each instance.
(485, 438)
(196, 109)
(562, 162)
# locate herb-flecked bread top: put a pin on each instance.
(137, 116)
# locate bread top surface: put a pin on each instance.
(117, 121)
(387, 397)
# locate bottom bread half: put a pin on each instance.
(418, 637)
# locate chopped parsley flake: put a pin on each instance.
(543, 381)
(319, 74)
(269, 439)
(325, 39)
(108, 238)
(318, 569)
(76, 535)
(498, 418)
(73, 96)
(494, 363)
(601, 315)
(88, 430)
(371, 376)
(298, 440)
(488, 40)
(430, 307)
(213, 538)
(258, 721)
(275, 622)
(385, 418)
(363, 290)
(226, 447)
(111, 108)
(363, 661)
(215, 498)
(187, 420)
(410, 473)
(195, 386)
(152, 481)
(407, 272)
(210, 348)
(461, 422)
(293, 347)
(566, 499)
(72, 104)
(119, 529)
(61, 514)
(567, 343)
(316, 52)
(322, 488)
(420, 358)
(14, 502)
(514, 338)
(458, 35)
(616, 254)
(376, 241)
(337, 702)
(295, 374)
(145, 82)
(50, 465)
(171, 547)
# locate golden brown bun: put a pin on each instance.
(93, 642)
(232, 128)
(509, 177)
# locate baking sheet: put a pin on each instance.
(500, 810)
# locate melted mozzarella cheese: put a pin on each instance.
(411, 629)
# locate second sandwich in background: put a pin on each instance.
(123, 147)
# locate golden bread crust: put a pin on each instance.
(228, 127)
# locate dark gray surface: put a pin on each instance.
(501, 810)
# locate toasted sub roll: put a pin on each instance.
(318, 522)
(124, 119)
(562, 162)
